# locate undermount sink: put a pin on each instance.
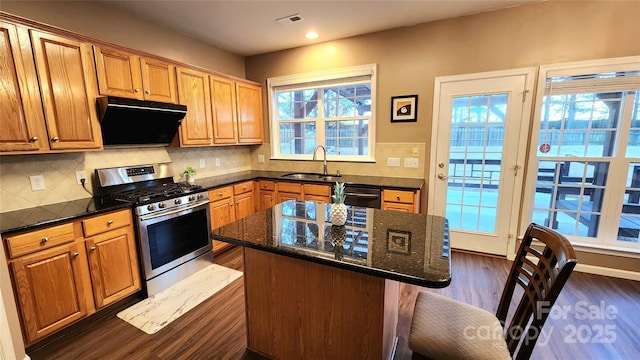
(311, 176)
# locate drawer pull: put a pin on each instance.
(244, 188)
(44, 240)
(398, 198)
(220, 194)
(109, 222)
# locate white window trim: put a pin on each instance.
(570, 68)
(318, 76)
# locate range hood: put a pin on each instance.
(129, 122)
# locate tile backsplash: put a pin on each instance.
(58, 170)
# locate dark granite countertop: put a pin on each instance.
(39, 216)
(373, 181)
(411, 248)
(45, 215)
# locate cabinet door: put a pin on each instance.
(113, 265)
(267, 199)
(68, 87)
(22, 126)
(158, 80)
(408, 208)
(249, 105)
(285, 196)
(50, 289)
(222, 213)
(223, 97)
(193, 91)
(244, 205)
(317, 198)
(118, 73)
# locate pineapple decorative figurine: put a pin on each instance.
(338, 212)
(338, 237)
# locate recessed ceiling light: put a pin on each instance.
(312, 35)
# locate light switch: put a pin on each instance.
(217, 161)
(393, 162)
(411, 162)
(202, 163)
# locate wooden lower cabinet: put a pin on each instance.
(266, 194)
(317, 193)
(400, 200)
(289, 191)
(230, 203)
(60, 284)
(52, 289)
(113, 264)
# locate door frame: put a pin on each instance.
(530, 74)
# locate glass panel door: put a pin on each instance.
(479, 141)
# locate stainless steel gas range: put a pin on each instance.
(172, 220)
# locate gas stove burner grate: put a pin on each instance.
(153, 193)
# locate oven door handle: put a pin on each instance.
(179, 210)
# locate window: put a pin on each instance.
(335, 109)
(586, 167)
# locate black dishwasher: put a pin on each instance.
(362, 196)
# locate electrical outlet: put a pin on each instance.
(80, 175)
(37, 182)
(393, 161)
(217, 161)
(260, 158)
(411, 162)
(202, 163)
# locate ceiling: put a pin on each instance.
(249, 27)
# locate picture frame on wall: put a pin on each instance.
(404, 108)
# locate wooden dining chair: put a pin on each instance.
(443, 328)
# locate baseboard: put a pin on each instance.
(617, 273)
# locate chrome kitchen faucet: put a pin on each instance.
(324, 161)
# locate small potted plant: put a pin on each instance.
(338, 212)
(190, 174)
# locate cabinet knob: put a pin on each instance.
(147, 92)
(398, 198)
(44, 240)
(244, 188)
(93, 248)
(109, 222)
(220, 194)
(55, 139)
(136, 90)
(75, 254)
(34, 139)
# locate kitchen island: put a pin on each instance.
(318, 291)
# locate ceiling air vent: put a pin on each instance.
(289, 19)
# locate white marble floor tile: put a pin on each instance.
(152, 314)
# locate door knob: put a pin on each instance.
(441, 176)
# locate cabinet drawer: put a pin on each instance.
(40, 239)
(242, 188)
(290, 187)
(220, 193)
(103, 223)
(398, 196)
(267, 185)
(314, 189)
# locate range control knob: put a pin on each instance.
(200, 196)
(151, 207)
(161, 205)
(177, 201)
(192, 197)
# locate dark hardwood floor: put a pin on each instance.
(216, 328)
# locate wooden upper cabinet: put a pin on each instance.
(193, 91)
(158, 80)
(22, 120)
(68, 88)
(223, 96)
(127, 75)
(249, 105)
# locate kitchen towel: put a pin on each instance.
(155, 312)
